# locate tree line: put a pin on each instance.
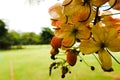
(11, 38)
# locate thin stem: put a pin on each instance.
(113, 57)
(84, 61)
(97, 59)
(96, 16)
(64, 61)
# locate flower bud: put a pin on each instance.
(56, 42)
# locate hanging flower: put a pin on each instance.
(111, 22)
(72, 32)
(56, 42)
(71, 56)
(76, 11)
(58, 18)
(79, 26)
(101, 42)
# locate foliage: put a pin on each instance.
(5, 42)
(5, 39)
(28, 38)
(10, 38)
(83, 27)
(46, 35)
(3, 29)
(15, 37)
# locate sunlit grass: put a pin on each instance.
(32, 63)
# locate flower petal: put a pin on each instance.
(98, 33)
(68, 41)
(89, 46)
(114, 45)
(56, 42)
(58, 22)
(111, 34)
(83, 32)
(66, 2)
(58, 18)
(110, 21)
(62, 33)
(106, 61)
(55, 11)
(76, 11)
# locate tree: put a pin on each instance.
(46, 35)
(15, 37)
(3, 30)
(5, 42)
(29, 38)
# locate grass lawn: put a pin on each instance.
(32, 63)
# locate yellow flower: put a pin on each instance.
(102, 42)
(72, 32)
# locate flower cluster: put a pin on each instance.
(80, 27)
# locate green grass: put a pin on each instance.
(32, 63)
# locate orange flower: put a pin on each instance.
(56, 42)
(71, 56)
(111, 22)
(71, 32)
(57, 15)
(76, 11)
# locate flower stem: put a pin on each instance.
(97, 59)
(96, 16)
(113, 57)
(84, 61)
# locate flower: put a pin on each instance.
(109, 21)
(71, 56)
(77, 11)
(82, 26)
(72, 32)
(102, 42)
(57, 15)
(56, 42)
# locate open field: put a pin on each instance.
(32, 63)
